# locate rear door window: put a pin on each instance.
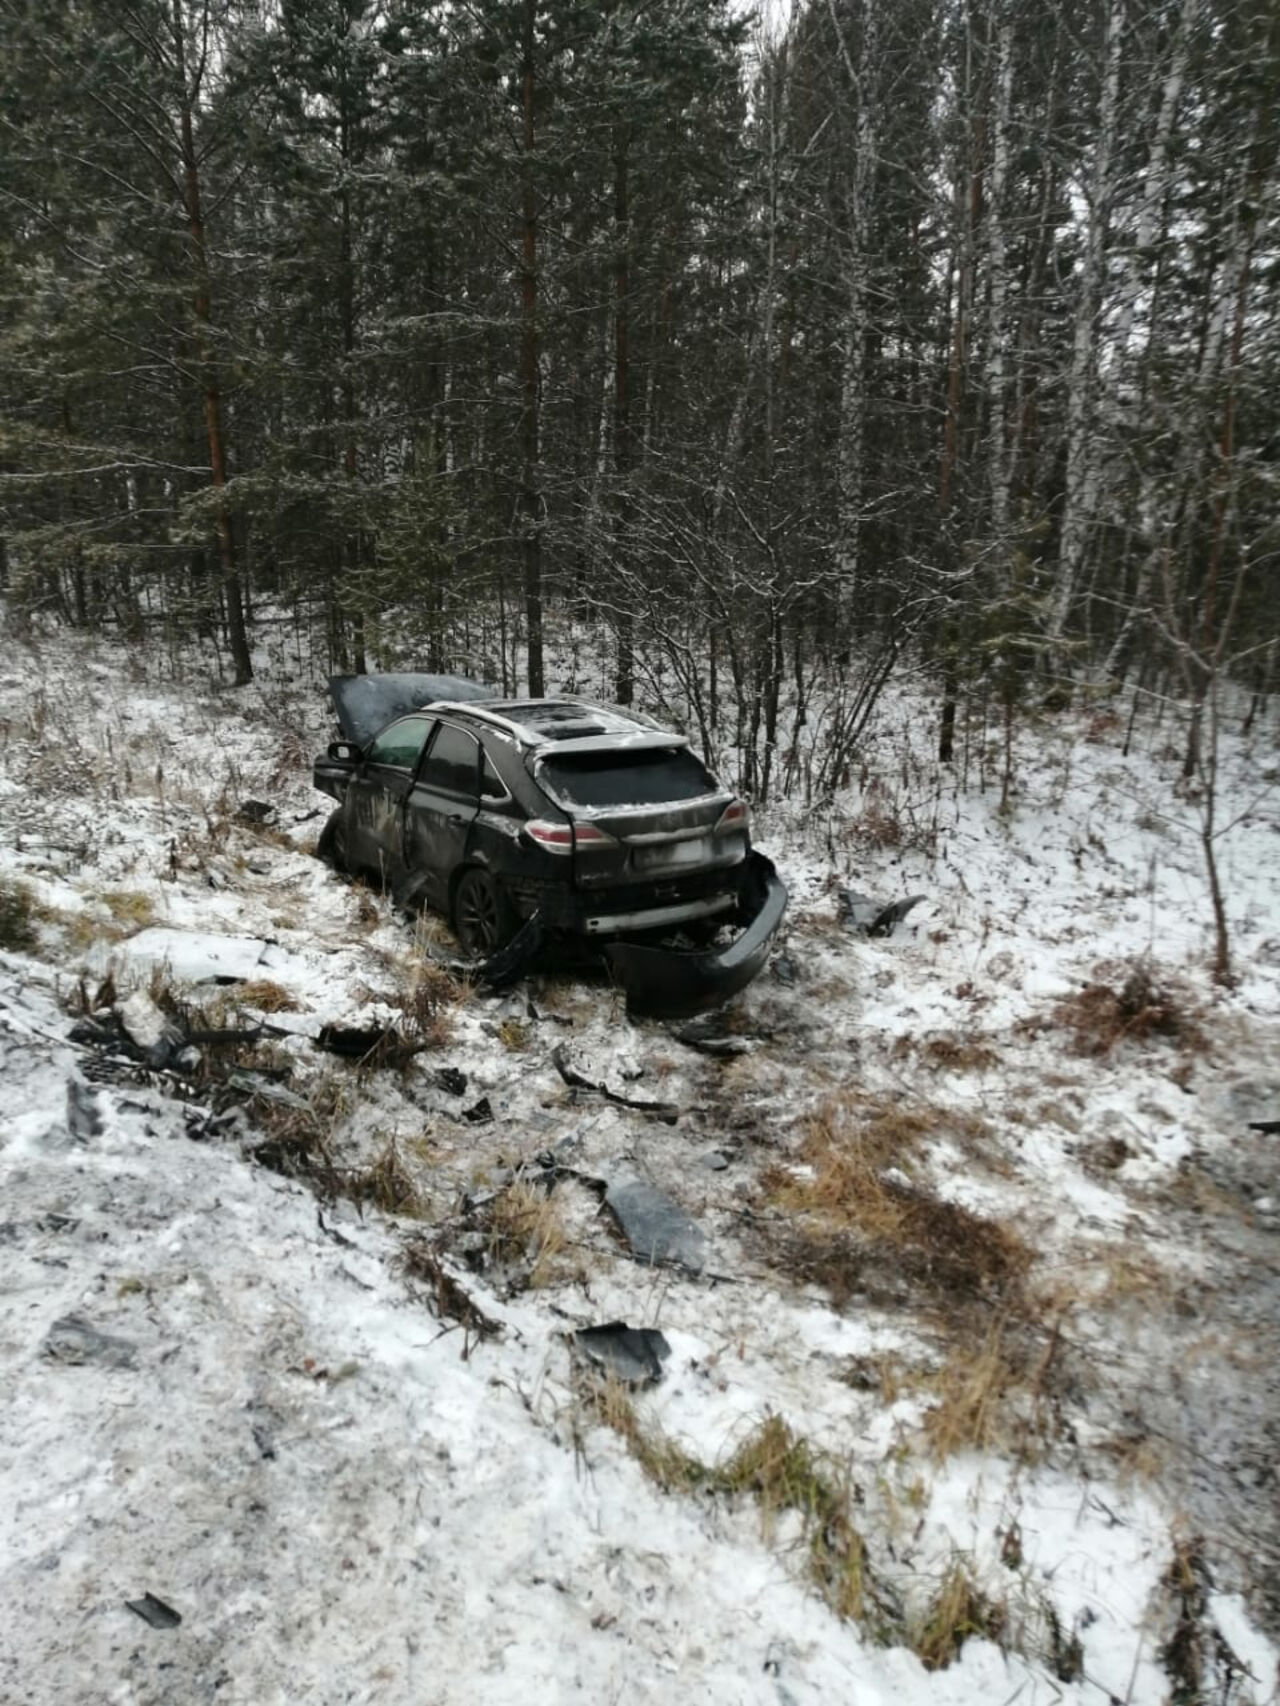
(453, 764)
(651, 777)
(400, 745)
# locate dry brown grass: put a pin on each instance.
(957, 1611)
(852, 1213)
(1129, 1004)
(387, 1184)
(969, 1413)
(428, 998)
(266, 996)
(524, 1225)
(948, 1052)
(784, 1473)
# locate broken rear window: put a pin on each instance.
(651, 777)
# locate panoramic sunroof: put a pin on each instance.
(564, 720)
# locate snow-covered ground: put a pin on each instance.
(346, 1499)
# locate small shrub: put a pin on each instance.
(1136, 1008)
(17, 918)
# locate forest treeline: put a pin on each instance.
(776, 351)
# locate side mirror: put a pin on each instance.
(342, 752)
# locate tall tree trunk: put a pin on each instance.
(850, 451)
(530, 490)
(624, 685)
(1084, 452)
(997, 378)
(236, 634)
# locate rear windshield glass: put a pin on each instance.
(646, 778)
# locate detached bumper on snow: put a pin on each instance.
(669, 983)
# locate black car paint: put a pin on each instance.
(418, 837)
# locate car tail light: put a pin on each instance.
(555, 837)
(736, 815)
(587, 835)
(564, 837)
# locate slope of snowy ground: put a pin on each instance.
(289, 1450)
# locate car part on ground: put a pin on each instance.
(670, 983)
(872, 917)
(535, 823)
(633, 1355)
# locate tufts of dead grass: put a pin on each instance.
(1129, 1005)
(783, 1472)
(957, 1611)
(387, 1184)
(856, 1208)
(525, 1227)
(266, 996)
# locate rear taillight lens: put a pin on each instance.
(555, 837)
(734, 816)
(564, 837)
(587, 835)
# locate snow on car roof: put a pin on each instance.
(559, 722)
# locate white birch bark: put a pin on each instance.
(1084, 452)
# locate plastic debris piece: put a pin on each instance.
(155, 1612)
(450, 1080)
(576, 1079)
(152, 1033)
(657, 1229)
(634, 1355)
(74, 1340)
(479, 1114)
(266, 1089)
(872, 917)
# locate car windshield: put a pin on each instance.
(650, 777)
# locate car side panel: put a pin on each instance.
(374, 818)
(437, 831)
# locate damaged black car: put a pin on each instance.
(521, 820)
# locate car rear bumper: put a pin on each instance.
(658, 917)
(670, 983)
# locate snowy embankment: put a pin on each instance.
(999, 1258)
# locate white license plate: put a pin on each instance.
(674, 855)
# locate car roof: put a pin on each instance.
(566, 725)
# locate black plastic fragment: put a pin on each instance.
(481, 1113)
(658, 1230)
(450, 1080)
(155, 1612)
(1268, 1128)
(376, 1044)
(634, 1355)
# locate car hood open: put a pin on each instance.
(364, 704)
(671, 983)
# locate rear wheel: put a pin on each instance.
(483, 917)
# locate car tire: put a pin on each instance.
(332, 845)
(484, 920)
